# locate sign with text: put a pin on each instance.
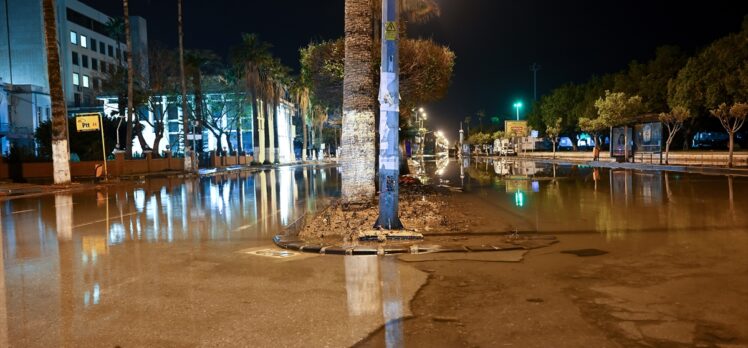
(516, 128)
(87, 122)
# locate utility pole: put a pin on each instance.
(389, 121)
(535, 68)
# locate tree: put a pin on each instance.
(618, 109)
(732, 119)
(160, 94)
(60, 147)
(250, 59)
(130, 78)
(224, 107)
(425, 73)
(467, 123)
(553, 133)
(673, 121)
(481, 114)
(304, 105)
(358, 137)
(189, 163)
(198, 63)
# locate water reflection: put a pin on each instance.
(58, 252)
(373, 290)
(581, 199)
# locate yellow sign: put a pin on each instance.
(516, 128)
(87, 122)
(390, 31)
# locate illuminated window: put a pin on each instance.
(73, 38)
(85, 81)
(84, 41)
(76, 79)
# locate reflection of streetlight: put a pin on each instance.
(518, 105)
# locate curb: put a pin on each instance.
(296, 244)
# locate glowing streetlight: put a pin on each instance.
(518, 105)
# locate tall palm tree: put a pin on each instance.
(60, 147)
(188, 161)
(279, 77)
(250, 58)
(357, 156)
(130, 70)
(481, 114)
(303, 103)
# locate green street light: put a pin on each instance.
(518, 105)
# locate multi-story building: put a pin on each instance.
(89, 51)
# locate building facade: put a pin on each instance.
(89, 51)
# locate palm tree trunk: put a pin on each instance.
(272, 136)
(268, 133)
(306, 138)
(188, 165)
(358, 134)
(60, 147)
(257, 131)
(130, 71)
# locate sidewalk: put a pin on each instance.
(678, 162)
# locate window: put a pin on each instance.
(76, 79)
(93, 45)
(73, 38)
(94, 64)
(84, 41)
(75, 58)
(119, 53)
(102, 48)
(85, 81)
(103, 66)
(77, 101)
(85, 60)
(111, 51)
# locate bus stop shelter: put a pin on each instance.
(641, 138)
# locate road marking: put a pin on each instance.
(103, 220)
(23, 211)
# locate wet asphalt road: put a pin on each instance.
(168, 262)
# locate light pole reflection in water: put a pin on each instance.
(64, 216)
(373, 290)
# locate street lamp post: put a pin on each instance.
(518, 105)
(389, 120)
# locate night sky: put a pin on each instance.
(495, 41)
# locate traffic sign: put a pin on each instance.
(87, 122)
(390, 31)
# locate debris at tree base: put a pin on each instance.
(384, 235)
(422, 208)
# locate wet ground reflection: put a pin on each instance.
(373, 289)
(64, 254)
(576, 198)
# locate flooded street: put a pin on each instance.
(644, 259)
